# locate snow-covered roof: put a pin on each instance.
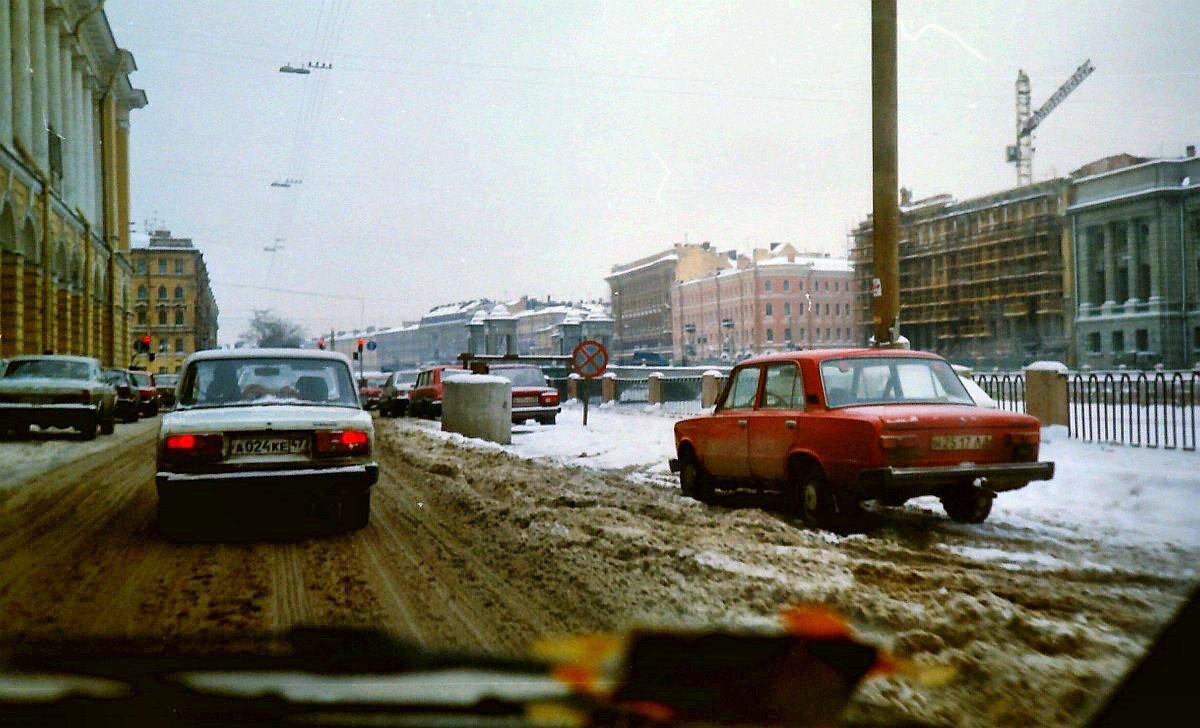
(451, 308)
(826, 264)
(655, 261)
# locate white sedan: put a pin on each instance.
(280, 429)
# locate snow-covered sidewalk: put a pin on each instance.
(1113, 494)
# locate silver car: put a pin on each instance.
(67, 392)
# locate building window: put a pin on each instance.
(1093, 340)
(1142, 339)
(767, 286)
(142, 317)
(787, 309)
(770, 334)
(787, 285)
(162, 293)
(141, 265)
(178, 292)
(836, 286)
(828, 334)
(1118, 342)
(787, 334)
(799, 285)
(179, 345)
(179, 267)
(770, 310)
(162, 265)
(827, 309)
(179, 317)
(827, 285)
(162, 317)
(1196, 338)
(142, 292)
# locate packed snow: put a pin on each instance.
(1116, 494)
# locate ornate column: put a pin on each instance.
(80, 133)
(66, 85)
(37, 56)
(54, 20)
(22, 80)
(95, 209)
(1110, 268)
(6, 112)
(1133, 245)
(1154, 245)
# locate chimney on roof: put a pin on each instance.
(1191, 150)
(905, 197)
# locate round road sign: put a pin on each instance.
(590, 359)
(372, 346)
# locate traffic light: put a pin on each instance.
(361, 343)
(142, 345)
(321, 343)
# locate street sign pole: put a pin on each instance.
(589, 359)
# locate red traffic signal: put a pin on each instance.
(321, 343)
(146, 340)
(360, 343)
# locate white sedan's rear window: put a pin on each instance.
(232, 382)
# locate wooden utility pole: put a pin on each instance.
(885, 177)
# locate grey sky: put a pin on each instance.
(458, 150)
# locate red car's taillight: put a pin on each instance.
(898, 442)
(193, 447)
(342, 442)
(548, 398)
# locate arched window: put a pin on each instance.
(142, 293)
(179, 317)
(162, 292)
(178, 292)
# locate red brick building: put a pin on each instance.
(775, 300)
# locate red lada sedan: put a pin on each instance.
(532, 397)
(833, 428)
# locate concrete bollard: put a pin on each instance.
(572, 386)
(655, 388)
(608, 387)
(1046, 396)
(710, 387)
(478, 405)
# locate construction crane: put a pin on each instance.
(1021, 153)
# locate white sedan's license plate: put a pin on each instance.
(961, 442)
(269, 446)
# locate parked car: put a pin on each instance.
(425, 397)
(393, 396)
(66, 392)
(128, 405)
(645, 358)
(834, 428)
(147, 392)
(165, 384)
(279, 428)
(370, 386)
(532, 396)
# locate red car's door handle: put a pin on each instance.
(790, 424)
(743, 423)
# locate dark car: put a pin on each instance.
(56, 391)
(128, 404)
(147, 392)
(393, 396)
(165, 384)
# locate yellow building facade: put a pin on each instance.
(173, 301)
(65, 99)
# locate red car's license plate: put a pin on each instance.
(961, 442)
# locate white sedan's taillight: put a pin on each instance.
(193, 448)
(342, 442)
(548, 399)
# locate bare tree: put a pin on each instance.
(269, 329)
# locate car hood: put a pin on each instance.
(46, 385)
(927, 416)
(265, 417)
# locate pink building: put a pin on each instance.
(776, 300)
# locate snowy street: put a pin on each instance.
(569, 530)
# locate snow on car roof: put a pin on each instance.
(825, 354)
(267, 354)
(58, 357)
